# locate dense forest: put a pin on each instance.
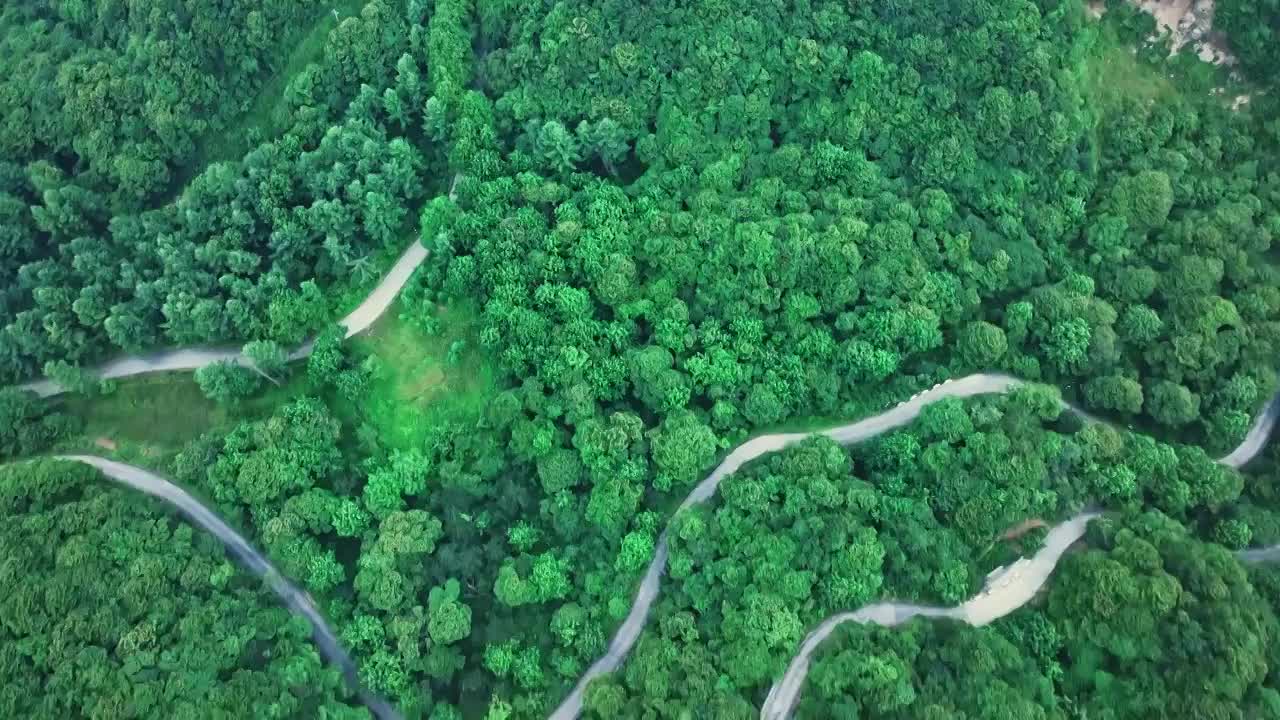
(115, 608)
(1148, 621)
(655, 230)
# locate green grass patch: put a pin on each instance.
(147, 417)
(1114, 72)
(420, 379)
(425, 377)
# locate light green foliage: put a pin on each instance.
(499, 658)
(512, 590)
(117, 558)
(450, 620)
(225, 381)
(523, 536)
(387, 486)
(683, 446)
(636, 551)
(550, 578)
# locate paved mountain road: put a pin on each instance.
(898, 416)
(294, 598)
(192, 358)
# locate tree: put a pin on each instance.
(225, 382)
(450, 620)
(1140, 324)
(1068, 343)
(558, 147)
(606, 139)
(1145, 198)
(72, 378)
(327, 357)
(510, 589)
(268, 358)
(982, 344)
(683, 446)
(1172, 404)
(1113, 392)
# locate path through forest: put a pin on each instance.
(1005, 593)
(294, 598)
(192, 358)
(1020, 589)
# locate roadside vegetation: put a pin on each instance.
(676, 225)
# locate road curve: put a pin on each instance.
(191, 358)
(999, 598)
(1257, 437)
(1003, 594)
(296, 600)
(898, 416)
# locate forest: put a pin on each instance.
(653, 232)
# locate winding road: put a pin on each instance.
(1003, 594)
(987, 608)
(984, 608)
(295, 599)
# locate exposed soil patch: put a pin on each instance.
(1190, 23)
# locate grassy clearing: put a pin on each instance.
(420, 380)
(147, 417)
(425, 379)
(150, 418)
(1114, 72)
